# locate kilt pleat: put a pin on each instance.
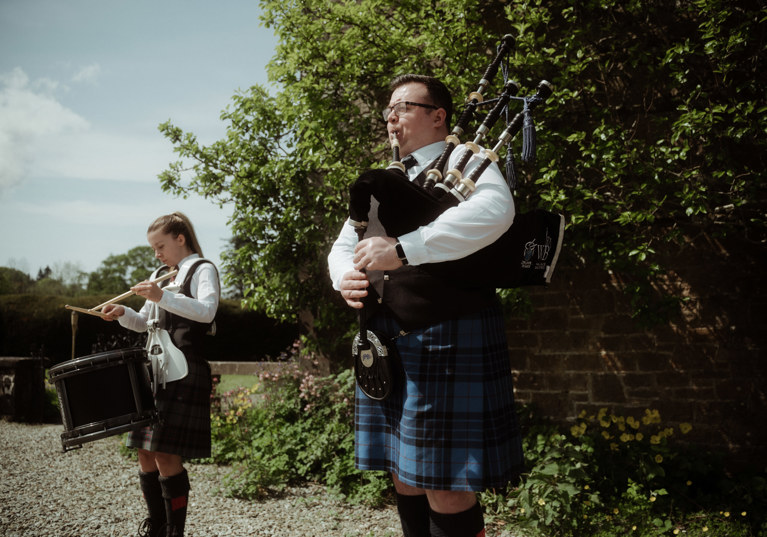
(183, 407)
(451, 423)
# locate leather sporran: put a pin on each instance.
(374, 366)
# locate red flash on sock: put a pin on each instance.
(180, 501)
(481, 533)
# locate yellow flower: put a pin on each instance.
(634, 424)
(582, 414)
(578, 430)
(652, 498)
(606, 435)
(633, 528)
(625, 437)
(705, 528)
(613, 446)
(541, 502)
(743, 513)
(651, 416)
(655, 439)
(639, 437)
(685, 428)
(522, 510)
(726, 514)
(676, 531)
(616, 511)
(659, 458)
(689, 483)
(586, 487)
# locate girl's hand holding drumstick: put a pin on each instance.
(149, 290)
(112, 312)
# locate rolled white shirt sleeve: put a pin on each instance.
(136, 320)
(458, 232)
(470, 226)
(200, 307)
(341, 257)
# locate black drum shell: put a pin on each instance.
(103, 395)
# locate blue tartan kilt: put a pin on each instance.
(450, 424)
(183, 407)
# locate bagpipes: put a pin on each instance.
(526, 254)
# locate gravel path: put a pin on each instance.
(94, 492)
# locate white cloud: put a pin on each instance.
(29, 112)
(39, 137)
(100, 155)
(87, 74)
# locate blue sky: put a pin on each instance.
(83, 87)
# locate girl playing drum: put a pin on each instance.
(185, 307)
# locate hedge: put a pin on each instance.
(39, 325)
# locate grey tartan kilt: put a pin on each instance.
(451, 424)
(183, 406)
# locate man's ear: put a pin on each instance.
(439, 116)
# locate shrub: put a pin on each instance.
(292, 427)
(612, 474)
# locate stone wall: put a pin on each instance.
(581, 349)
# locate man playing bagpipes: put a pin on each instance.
(447, 429)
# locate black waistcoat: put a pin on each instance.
(418, 299)
(186, 334)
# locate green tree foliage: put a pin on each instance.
(118, 273)
(13, 281)
(63, 279)
(656, 126)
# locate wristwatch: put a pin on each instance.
(400, 252)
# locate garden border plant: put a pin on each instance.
(605, 475)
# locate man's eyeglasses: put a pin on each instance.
(401, 107)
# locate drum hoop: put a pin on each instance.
(97, 361)
(76, 437)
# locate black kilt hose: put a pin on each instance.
(451, 423)
(183, 405)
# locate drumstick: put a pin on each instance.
(89, 312)
(129, 293)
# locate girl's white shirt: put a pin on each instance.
(201, 306)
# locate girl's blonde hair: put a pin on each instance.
(177, 224)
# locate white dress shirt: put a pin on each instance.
(456, 233)
(201, 306)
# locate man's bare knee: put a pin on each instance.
(451, 501)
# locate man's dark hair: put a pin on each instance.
(438, 92)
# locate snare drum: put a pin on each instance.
(103, 395)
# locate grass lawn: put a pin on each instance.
(232, 382)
